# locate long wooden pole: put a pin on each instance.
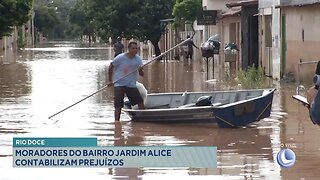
(152, 60)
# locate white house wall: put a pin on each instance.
(219, 5)
(267, 7)
(276, 43)
(266, 3)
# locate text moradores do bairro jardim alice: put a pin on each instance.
(85, 152)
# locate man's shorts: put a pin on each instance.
(132, 94)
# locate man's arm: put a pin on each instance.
(110, 74)
(194, 45)
(141, 72)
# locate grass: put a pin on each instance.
(252, 78)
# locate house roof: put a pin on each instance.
(230, 13)
(296, 5)
(242, 3)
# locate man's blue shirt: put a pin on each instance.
(123, 65)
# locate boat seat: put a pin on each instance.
(217, 104)
(177, 101)
(254, 94)
(233, 97)
(188, 105)
(250, 97)
(222, 102)
(192, 98)
(203, 100)
(194, 105)
(243, 96)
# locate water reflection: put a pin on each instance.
(14, 80)
(49, 78)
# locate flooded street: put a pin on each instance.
(45, 80)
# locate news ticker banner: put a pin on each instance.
(85, 152)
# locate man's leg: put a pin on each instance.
(117, 113)
(141, 106)
(118, 102)
(135, 97)
(189, 56)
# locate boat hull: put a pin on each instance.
(178, 115)
(241, 112)
(244, 113)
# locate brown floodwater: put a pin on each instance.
(44, 80)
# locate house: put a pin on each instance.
(221, 27)
(288, 34)
(273, 34)
(220, 7)
(230, 32)
(237, 23)
(249, 32)
(300, 22)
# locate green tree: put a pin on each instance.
(112, 18)
(149, 27)
(13, 13)
(61, 30)
(79, 15)
(139, 19)
(186, 11)
(56, 12)
(45, 19)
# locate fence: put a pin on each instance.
(302, 64)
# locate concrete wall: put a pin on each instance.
(303, 40)
(273, 66)
(276, 43)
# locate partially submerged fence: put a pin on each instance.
(308, 67)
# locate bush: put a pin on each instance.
(252, 78)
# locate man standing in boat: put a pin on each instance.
(123, 72)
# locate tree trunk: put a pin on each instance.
(177, 40)
(156, 48)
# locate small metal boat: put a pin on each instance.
(234, 108)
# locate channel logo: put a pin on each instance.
(286, 158)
